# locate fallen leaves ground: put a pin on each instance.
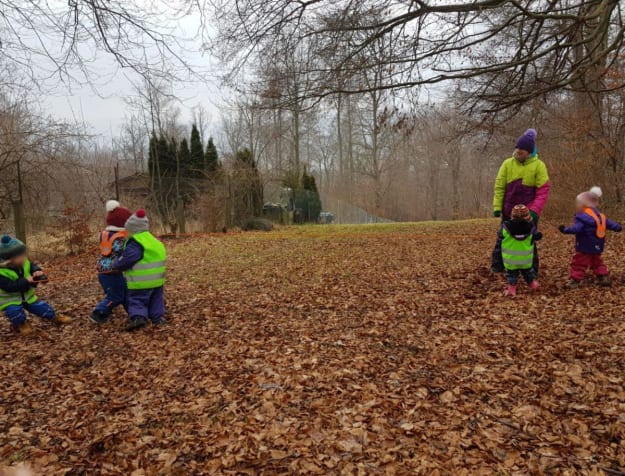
(328, 350)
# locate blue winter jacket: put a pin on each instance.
(585, 230)
(105, 263)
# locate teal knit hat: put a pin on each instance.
(11, 247)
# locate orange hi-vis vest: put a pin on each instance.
(107, 240)
(600, 220)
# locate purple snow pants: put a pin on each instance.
(146, 304)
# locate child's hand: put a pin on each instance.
(538, 236)
(534, 216)
(561, 228)
(39, 277)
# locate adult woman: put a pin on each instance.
(522, 180)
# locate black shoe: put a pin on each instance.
(574, 284)
(136, 324)
(98, 317)
(161, 321)
(604, 281)
(496, 270)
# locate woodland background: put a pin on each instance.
(398, 111)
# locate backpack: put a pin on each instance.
(107, 239)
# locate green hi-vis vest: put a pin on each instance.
(16, 299)
(149, 272)
(517, 254)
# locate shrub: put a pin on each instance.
(258, 224)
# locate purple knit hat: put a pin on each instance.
(527, 141)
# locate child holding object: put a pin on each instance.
(112, 240)
(518, 237)
(18, 279)
(143, 262)
(589, 228)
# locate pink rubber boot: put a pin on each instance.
(510, 290)
(534, 285)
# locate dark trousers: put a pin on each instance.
(114, 287)
(497, 260)
(146, 304)
(512, 275)
(16, 314)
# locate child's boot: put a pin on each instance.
(604, 281)
(574, 284)
(60, 320)
(161, 321)
(23, 329)
(136, 323)
(534, 285)
(510, 290)
(98, 317)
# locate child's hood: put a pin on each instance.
(519, 230)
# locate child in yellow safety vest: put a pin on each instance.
(112, 240)
(18, 279)
(143, 262)
(518, 245)
(590, 229)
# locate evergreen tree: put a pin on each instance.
(247, 187)
(153, 156)
(184, 158)
(166, 162)
(306, 199)
(163, 169)
(211, 158)
(196, 150)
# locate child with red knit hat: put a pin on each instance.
(113, 283)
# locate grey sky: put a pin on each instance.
(103, 108)
(101, 104)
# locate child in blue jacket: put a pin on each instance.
(112, 240)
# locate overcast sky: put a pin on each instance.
(101, 104)
(103, 108)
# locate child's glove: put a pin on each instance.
(534, 216)
(497, 213)
(561, 228)
(538, 236)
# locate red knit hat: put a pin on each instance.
(116, 214)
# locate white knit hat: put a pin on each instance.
(591, 197)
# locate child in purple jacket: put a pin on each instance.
(589, 229)
(143, 262)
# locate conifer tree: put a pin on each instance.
(196, 150)
(211, 158)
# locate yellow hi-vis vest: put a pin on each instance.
(16, 299)
(517, 254)
(149, 272)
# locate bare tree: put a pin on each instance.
(59, 39)
(513, 51)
